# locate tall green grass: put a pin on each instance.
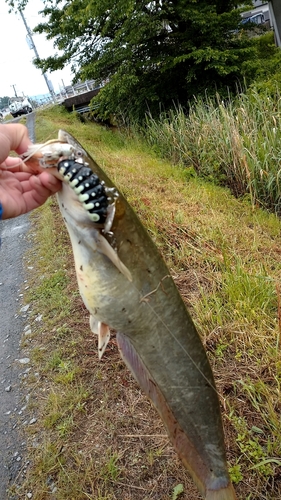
(235, 143)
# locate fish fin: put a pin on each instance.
(103, 332)
(94, 325)
(104, 336)
(91, 235)
(104, 247)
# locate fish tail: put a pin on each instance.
(212, 488)
(227, 493)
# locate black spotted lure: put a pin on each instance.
(88, 187)
(96, 198)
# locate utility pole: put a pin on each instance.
(14, 87)
(33, 46)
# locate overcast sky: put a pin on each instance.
(16, 66)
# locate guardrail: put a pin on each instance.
(86, 109)
(78, 88)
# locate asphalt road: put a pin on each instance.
(30, 123)
(13, 321)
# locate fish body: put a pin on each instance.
(125, 285)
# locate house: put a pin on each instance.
(275, 19)
(259, 11)
(266, 12)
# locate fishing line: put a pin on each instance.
(26, 158)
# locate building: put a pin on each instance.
(259, 9)
(275, 19)
(266, 12)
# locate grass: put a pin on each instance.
(234, 143)
(96, 435)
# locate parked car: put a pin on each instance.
(19, 106)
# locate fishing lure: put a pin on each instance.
(96, 198)
(88, 187)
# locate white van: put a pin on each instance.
(19, 106)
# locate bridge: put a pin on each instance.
(79, 95)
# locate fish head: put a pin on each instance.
(39, 157)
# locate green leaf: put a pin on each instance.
(177, 491)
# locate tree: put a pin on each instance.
(151, 54)
(4, 102)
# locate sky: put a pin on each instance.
(16, 66)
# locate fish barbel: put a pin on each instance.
(125, 285)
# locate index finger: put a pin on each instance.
(16, 164)
(13, 137)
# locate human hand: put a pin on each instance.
(21, 190)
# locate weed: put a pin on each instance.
(153, 455)
(54, 361)
(65, 427)
(235, 473)
(235, 144)
(177, 491)
(220, 349)
(110, 470)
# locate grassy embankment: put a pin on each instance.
(96, 435)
